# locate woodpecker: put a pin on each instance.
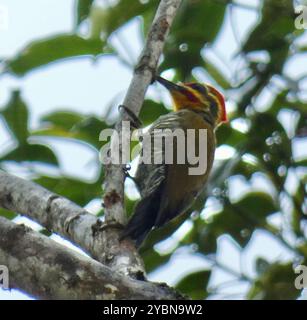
(168, 190)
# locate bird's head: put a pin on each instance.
(198, 97)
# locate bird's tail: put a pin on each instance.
(142, 220)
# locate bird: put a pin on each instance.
(167, 189)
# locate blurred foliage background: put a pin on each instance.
(268, 124)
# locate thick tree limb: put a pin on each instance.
(143, 74)
(60, 215)
(47, 270)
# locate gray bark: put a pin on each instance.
(47, 270)
(63, 217)
(114, 174)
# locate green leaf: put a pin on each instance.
(278, 102)
(151, 112)
(216, 75)
(256, 205)
(42, 52)
(153, 260)
(89, 130)
(301, 163)
(63, 119)
(282, 101)
(228, 135)
(222, 171)
(265, 128)
(263, 125)
(276, 283)
(16, 116)
(197, 23)
(76, 190)
(239, 220)
(204, 235)
(73, 125)
(107, 20)
(83, 10)
(31, 152)
(274, 38)
(268, 36)
(194, 285)
(247, 169)
(163, 233)
(302, 48)
(262, 265)
(7, 214)
(129, 206)
(301, 128)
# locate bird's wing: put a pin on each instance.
(181, 188)
(150, 180)
(149, 177)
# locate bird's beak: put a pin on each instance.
(169, 85)
(181, 95)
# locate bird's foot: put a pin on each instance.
(126, 169)
(101, 226)
(136, 123)
(154, 77)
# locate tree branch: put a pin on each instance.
(143, 75)
(60, 215)
(47, 270)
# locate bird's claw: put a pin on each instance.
(110, 225)
(154, 77)
(127, 175)
(126, 169)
